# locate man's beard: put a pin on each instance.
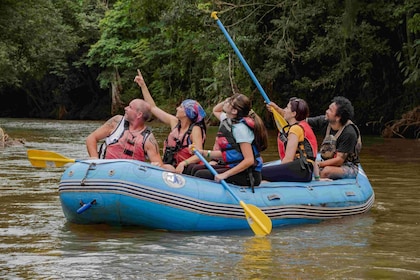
(331, 121)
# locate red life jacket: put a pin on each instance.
(129, 146)
(175, 147)
(309, 144)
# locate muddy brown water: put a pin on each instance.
(36, 241)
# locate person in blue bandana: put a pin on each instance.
(187, 126)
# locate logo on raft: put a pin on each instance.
(173, 180)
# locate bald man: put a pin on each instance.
(126, 137)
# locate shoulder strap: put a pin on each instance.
(118, 132)
(328, 132)
(359, 138)
(341, 130)
(177, 126)
(145, 133)
(349, 122)
(227, 123)
(188, 133)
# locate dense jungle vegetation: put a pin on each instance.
(76, 59)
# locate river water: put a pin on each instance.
(36, 241)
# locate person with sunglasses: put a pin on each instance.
(240, 139)
(297, 145)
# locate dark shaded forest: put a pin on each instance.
(77, 59)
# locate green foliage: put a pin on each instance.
(166, 40)
(367, 51)
(409, 56)
(35, 41)
(319, 49)
(114, 48)
(42, 49)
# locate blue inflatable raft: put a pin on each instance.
(130, 192)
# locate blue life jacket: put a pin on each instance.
(231, 150)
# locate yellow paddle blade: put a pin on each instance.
(41, 158)
(259, 222)
(279, 120)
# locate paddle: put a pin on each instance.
(279, 120)
(259, 222)
(41, 158)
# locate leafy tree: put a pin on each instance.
(319, 49)
(40, 42)
(166, 40)
(80, 91)
(34, 44)
(55, 54)
(181, 56)
(408, 54)
(114, 51)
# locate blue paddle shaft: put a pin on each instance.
(238, 53)
(214, 172)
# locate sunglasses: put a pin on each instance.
(232, 101)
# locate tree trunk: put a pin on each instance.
(116, 88)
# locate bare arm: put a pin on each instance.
(210, 154)
(144, 89)
(336, 161)
(197, 137)
(291, 148)
(218, 109)
(101, 133)
(274, 106)
(151, 147)
(159, 113)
